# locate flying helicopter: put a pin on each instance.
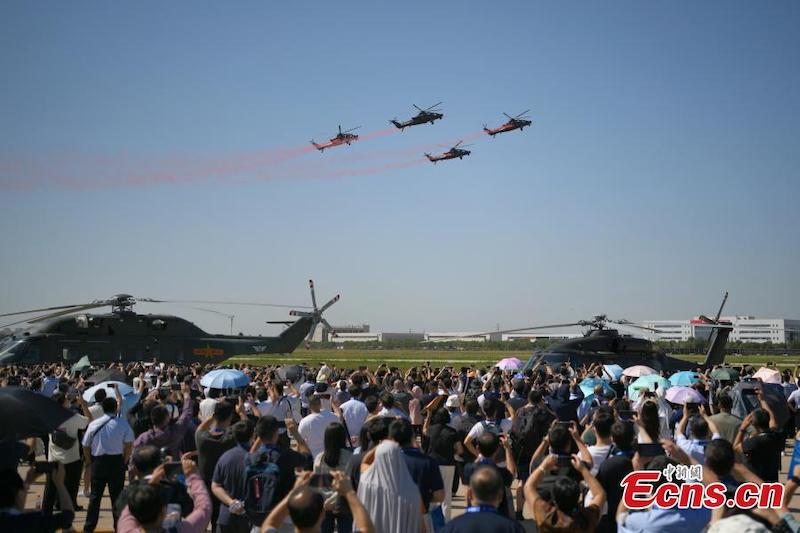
(605, 344)
(430, 114)
(452, 153)
(517, 122)
(343, 137)
(66, 333)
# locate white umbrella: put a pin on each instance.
(124, 389)
(638, 371)
(768, 375)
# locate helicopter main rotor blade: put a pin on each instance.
(301, 314)
(219, 302)
(509, 116)
(351, 129)
(624, 322)
(57, 314)
(55, 308)
(523, 113)
(517, 330)
(212, 311)
(457, 144)
(330, 303)
(434, 106)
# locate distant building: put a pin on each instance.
(322, 334)
(745, 329)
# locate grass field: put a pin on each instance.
(407, 358)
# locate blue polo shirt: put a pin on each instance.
(425, 472)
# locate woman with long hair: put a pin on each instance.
(334, 456)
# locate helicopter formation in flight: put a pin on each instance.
(66, 333)
(430, 115)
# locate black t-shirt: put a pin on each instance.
(483, 522)
(763, 453)
(441, 439)
(425, 472)
(610, 475)
(210, 447)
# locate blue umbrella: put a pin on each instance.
(588, 385)
(647, 382)
(614, 370)
(225, 378)
(684, 378)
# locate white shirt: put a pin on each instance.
(207, 407)
(312, 429)
(394, 412)
(694, 448)
(599, 453)
(71, 454)
(354, 413)
(96, 411)
(794, 399)
(110, 438)
(478, 429)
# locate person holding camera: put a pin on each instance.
(563, 510)
(13, 491)
(149, 509)
(306, 506)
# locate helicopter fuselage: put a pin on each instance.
(129, 336)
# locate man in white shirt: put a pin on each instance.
(312, 427)
(107, 443)
(354, 413)
(209, 403)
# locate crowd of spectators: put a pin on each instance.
(333, 449)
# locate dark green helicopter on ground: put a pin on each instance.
(67, 333)
(606, 345)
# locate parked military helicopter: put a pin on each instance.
(452, 153)
(430, 114)
(517, 122)
(606, 345)
(343, 137)
(66, 333)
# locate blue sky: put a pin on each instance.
(662, 168)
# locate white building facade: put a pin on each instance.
(745, 329)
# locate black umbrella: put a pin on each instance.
(107, 374)
(24, 413)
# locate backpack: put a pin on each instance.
(261, 483)
(61, 439)
(491, 427)
(529, 428)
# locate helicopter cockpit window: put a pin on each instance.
(82, 321)
(158, 324)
